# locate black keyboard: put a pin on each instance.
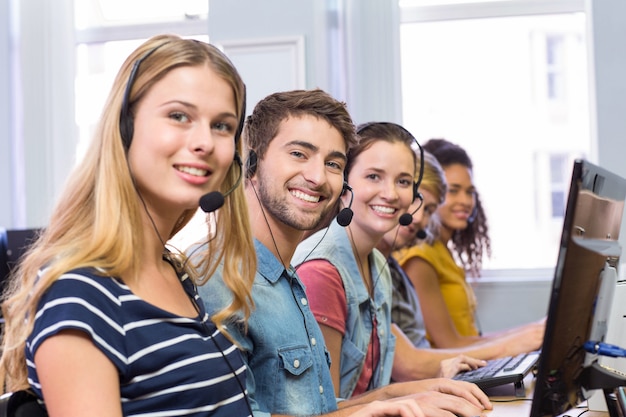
(510, 369)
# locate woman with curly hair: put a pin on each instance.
(453, 249)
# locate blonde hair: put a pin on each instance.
(97, 219)
(434, 181)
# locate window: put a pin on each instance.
(511, 88)
(559, 178)
(555, 67)
(107, 31)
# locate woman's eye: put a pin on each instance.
(223, 127)
(180, 117)
(406, 182)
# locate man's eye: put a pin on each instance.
(334, 165)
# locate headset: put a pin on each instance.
(210, 201)
(345, 215)
(251, 163)
(127, 121)
(407, 218)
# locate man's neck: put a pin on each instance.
(280, 239)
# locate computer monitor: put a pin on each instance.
(581, 293)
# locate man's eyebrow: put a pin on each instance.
(339, 155)
(315, 148)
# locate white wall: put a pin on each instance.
(6, 210)
(370, 87)
(38, 65)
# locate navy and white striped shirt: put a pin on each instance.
(168, 365)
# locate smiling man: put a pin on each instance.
(297, 143)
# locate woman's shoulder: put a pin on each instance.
(87, 283)
(423, 250)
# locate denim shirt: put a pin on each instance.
(333, 245)
(289, 366)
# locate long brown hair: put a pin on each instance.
(470, 244)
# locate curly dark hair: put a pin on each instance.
(470, 244)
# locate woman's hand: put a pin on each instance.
(451, 367)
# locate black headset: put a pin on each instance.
(407, 218)
(127, 120)
(251, 163)
(345, 215)
(208, 202)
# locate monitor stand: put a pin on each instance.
(611, 382)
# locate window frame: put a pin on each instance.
(479, 10)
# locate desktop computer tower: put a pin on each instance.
(616, 335)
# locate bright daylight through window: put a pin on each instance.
(513, 91)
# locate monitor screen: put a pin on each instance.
(582, 287)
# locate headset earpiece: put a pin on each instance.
(127, 121)
(344, 218)
(345, 188)
(127, 127)
(251, 164)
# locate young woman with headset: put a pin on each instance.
(412, 345)
(347, 278)
(102, 317)
(437, 267)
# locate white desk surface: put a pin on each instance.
(506, 404)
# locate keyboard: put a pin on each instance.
(510, 369)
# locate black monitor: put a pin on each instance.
(584, 281)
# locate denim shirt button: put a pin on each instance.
(313, 341)
(321, 389)
(382, 332)
(296, 363)
(304, 301)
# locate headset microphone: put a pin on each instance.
(407, 218)
(345, 215)
(421, 234)
(214, 200)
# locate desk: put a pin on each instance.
(512, 406)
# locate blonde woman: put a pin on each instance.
(101, 318)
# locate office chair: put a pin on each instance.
(13, 244)
(21, 404)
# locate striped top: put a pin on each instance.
(168, 365)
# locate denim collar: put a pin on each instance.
(268, 266)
